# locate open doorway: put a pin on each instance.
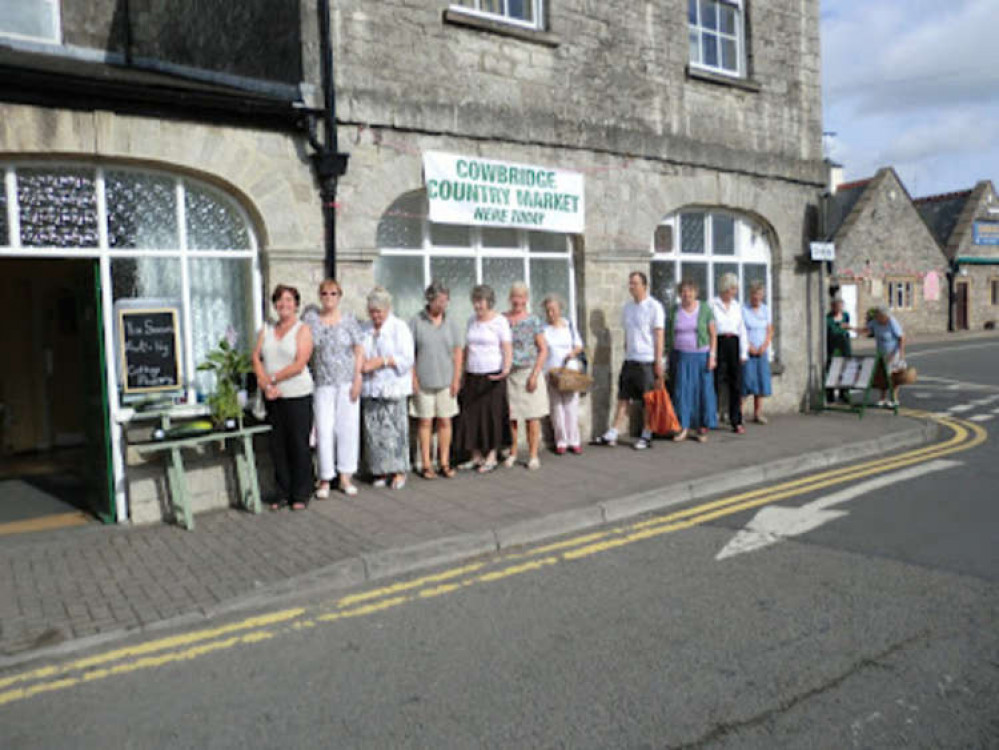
(54, 454)
(961, 303)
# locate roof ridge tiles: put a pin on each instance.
(943, 196)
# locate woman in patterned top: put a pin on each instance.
(527, 397)
(386, 385)
(336, 368)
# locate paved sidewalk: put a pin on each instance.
(84, 582)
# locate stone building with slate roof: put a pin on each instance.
(886, 254)
(966, 226)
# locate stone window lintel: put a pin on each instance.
(457, 18)
(746, 84)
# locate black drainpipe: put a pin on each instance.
(328, 162)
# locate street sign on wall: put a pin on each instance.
(986, 232)
(486, 192)
(823, 250)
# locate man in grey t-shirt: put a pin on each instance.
(440, 342)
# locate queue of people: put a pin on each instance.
(350, 388)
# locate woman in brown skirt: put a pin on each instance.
(488, 355)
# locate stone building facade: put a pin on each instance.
(966, 225)
(696, 130)
(156, 151)
(688, 168)
(886, 254)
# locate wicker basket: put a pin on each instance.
(904, 377)
(570, 381)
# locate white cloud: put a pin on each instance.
(912, 55)
(951, 133)
(913, 84)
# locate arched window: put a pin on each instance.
(156, 235)
(704, 244)
(415, 250)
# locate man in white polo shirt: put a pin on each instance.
(644, 322)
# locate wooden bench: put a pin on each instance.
(246, 466)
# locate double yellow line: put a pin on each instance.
(188, 646)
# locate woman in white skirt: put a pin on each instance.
(564, 345)
(527, 398)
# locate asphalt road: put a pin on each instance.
(875, 629)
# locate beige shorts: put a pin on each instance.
(430, 404)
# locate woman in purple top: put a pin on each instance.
(692, 342)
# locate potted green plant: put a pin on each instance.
(229, 364)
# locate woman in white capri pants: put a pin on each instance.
(336, 366)
(564, 345)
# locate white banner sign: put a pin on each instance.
(484, 192)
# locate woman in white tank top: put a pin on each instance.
(280, 362)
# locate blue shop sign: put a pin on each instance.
(986, 232)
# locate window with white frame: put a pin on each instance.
(704, 244)
(30, 19)
(527, 13)
(156, 235)
(900, 294)
(716, 35)
(414, 251)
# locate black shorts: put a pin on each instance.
(636, 379)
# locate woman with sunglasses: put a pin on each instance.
(337, 356)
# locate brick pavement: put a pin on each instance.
(74, 583)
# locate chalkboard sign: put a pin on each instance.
(149, 347)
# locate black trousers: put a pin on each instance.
(728, 374)
(291, 422)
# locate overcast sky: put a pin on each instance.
(913, 84)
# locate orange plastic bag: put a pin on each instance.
(662, 418)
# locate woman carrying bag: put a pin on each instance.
(564, 346)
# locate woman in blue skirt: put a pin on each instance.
(693, 346)
(760, 330)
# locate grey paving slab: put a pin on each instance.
(71, 583)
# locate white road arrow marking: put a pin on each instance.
(774, 523)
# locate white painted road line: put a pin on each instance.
(912, 355)
(774, 522)
(981, 418)
(955, 385)
(961, 408)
